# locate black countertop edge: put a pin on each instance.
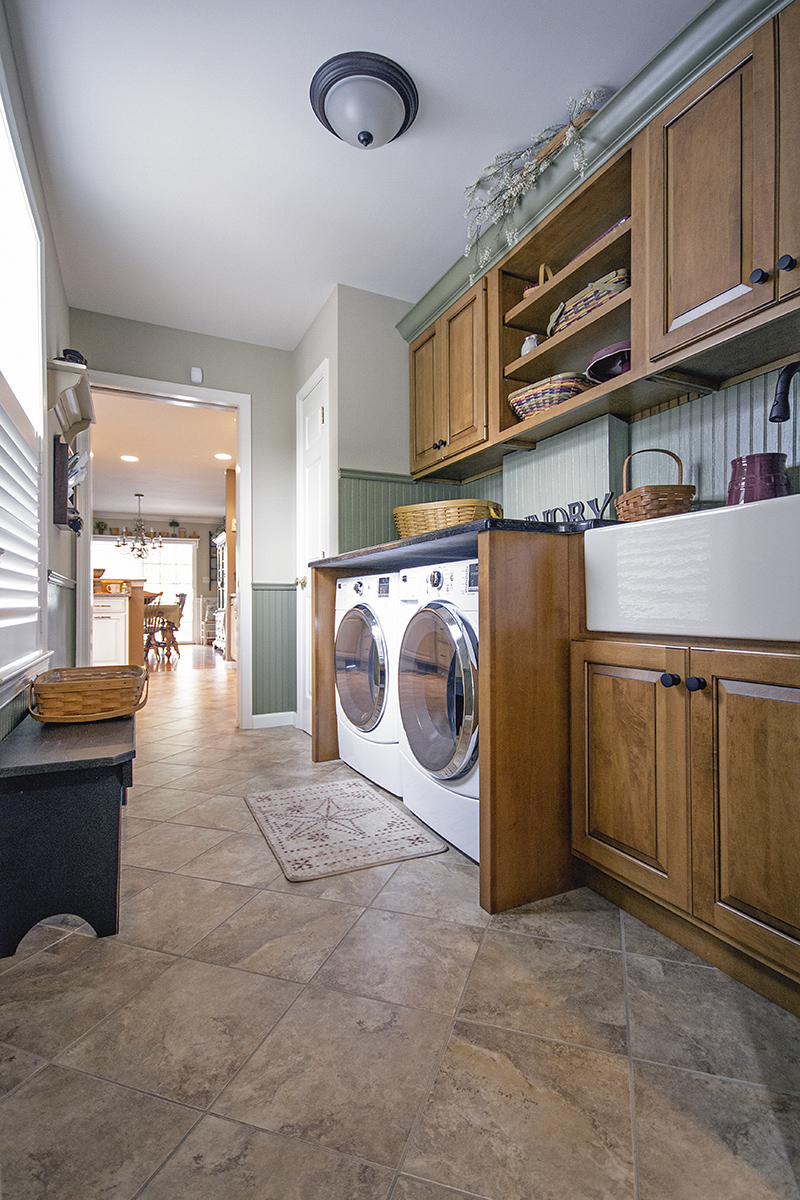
(441, 545)
(36, 747)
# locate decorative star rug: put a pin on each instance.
(331, 828)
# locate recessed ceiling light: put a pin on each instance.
(224, 457)
(129, 458)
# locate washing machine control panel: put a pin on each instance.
(358, 587)
(435, 579)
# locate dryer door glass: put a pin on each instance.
(438, 690)
(360, 666)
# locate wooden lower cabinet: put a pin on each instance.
(629, 779)
(690, 793)
(745, 774)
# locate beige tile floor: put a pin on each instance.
(372, 1036)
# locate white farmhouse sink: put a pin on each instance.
(726, 572)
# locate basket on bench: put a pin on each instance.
(87, 693)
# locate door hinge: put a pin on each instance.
(323, 414)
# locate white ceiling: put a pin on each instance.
(189, 184)
(175, 445)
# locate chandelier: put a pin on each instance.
(138, 543)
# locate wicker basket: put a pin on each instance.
(412, 519)
(535, 397)
(655, 500)
(586, 301)
(87, 693)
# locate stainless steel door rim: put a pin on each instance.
(360, 665)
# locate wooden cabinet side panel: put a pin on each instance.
(789, 140)
(324, 734)
(746, 800)
(524, 704)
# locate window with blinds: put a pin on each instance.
(22, 554)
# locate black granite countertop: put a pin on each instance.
(444, 545)
(35, 748)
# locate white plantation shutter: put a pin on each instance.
(20, 537)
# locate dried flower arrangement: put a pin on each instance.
(494, 196)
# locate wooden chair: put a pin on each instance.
(170, 641)
(153, 635)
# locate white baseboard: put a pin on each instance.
(271, 720)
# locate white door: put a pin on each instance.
(316, 515)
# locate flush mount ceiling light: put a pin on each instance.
(364, 99)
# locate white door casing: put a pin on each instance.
(317, 514)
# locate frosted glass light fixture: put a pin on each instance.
(364, 99)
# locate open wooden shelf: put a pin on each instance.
(609, 254)
(572, 349)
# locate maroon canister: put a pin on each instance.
(757, 477)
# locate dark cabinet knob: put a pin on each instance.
(696, 683)
(759, 276)
(669, 680)
(440, 443)
(786, 263)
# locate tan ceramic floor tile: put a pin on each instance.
(702, 1138)
(222, 1160)
(135, 879)
(71, 1137)
(162, 804)
(355, 887)
(553, 989)
(133, 826)
(435, 887)
(242, 858)
(405, 960)
(55, 997)
(702, 1020)
(185, 1035)
(35, 939)
(578, 916)
(16, 1065)
(177, 911)
(159, 774)
(287, 936)
(641, 939)
(512, 1117)
(215, 781)
(166, 847)
(342, 1072)
(217, 812)
(419, 1189)
(208, 756)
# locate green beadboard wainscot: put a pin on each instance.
(274, 648)
(367, 500)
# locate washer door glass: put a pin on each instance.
(438, 689)
(360, 666)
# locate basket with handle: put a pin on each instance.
(70, 694)
(653, 500)
(413, 519)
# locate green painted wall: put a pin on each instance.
(274, 648)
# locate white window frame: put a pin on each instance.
(16, 670)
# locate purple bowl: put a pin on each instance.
(610, 362)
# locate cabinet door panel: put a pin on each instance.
(425, 414)
(464, 361)
(629, 765)
(746, 799)
(788, 158)
(712, 164)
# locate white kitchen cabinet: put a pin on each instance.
(110, 631)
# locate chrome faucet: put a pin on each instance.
(780, 405)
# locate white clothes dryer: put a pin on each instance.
(437, 683)
(365, 665)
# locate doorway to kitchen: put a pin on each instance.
(164, 393)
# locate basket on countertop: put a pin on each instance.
(70, 694)
(654, 500)
(535, 397)
(412, 519)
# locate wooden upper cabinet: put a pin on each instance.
(788, 143)
(745, 736)
(629, 776)
(448, 382)
(712, 180)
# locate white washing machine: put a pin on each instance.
(438, 699)
(365, 664)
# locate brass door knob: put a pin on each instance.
(301, 580)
